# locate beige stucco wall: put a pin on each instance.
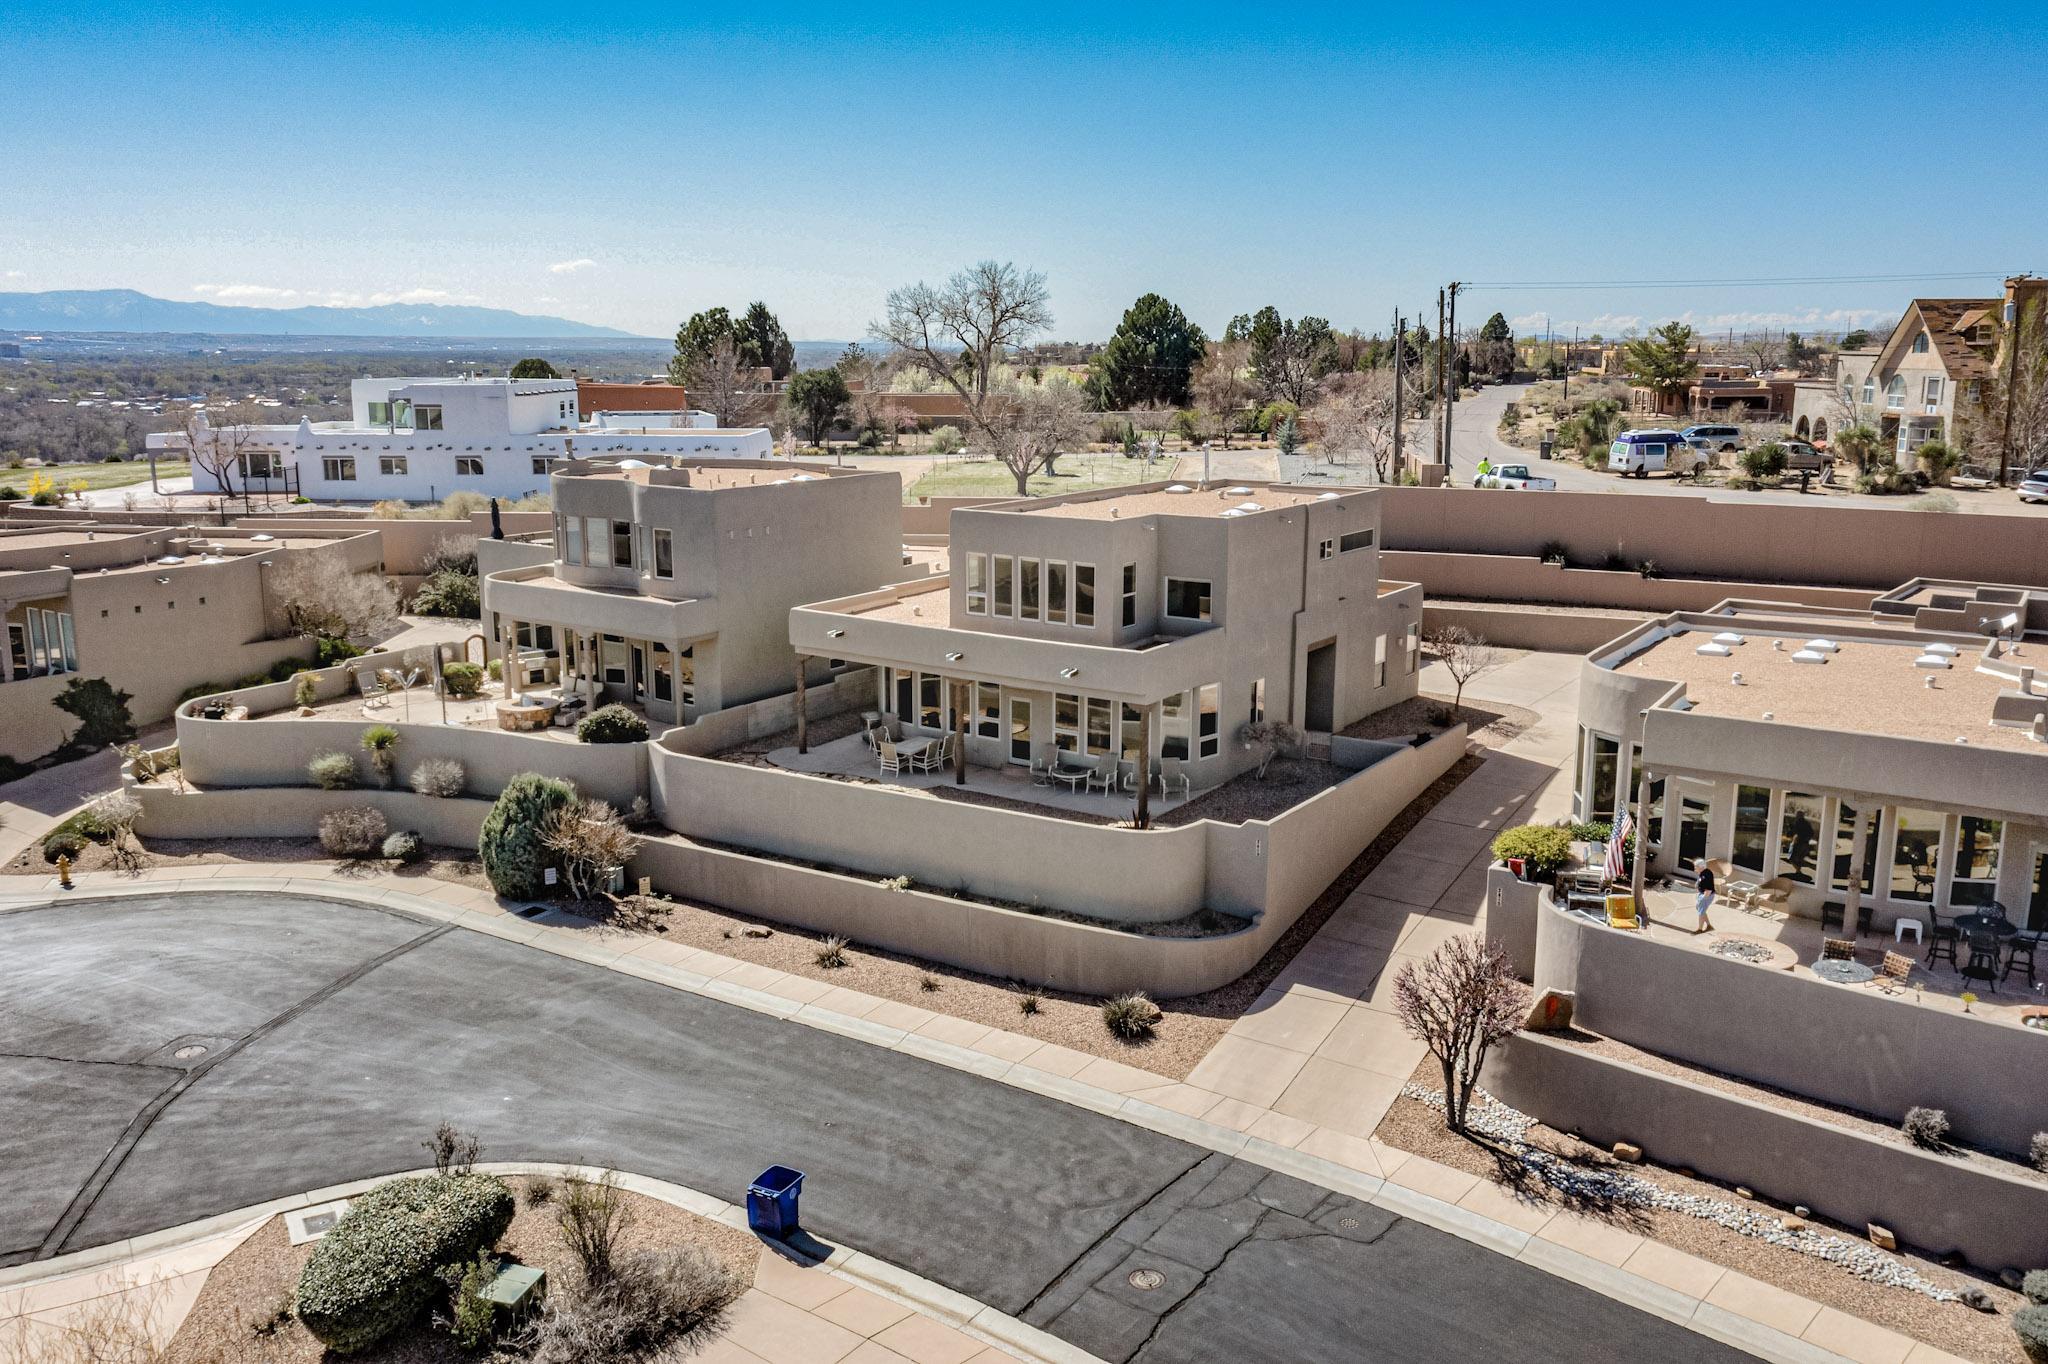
(1552, 631)
(1859, 1049)
(1727, 537)
(1524, 578)
(273, 813)
(1938, 1202)
(30, 725)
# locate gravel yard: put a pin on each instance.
(241, 1316)
(1413, 1126)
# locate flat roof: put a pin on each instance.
(1866, 687)
(65, 539)
(1152, 499)
(712, 477)
(931, 606)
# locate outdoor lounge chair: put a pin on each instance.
(1106, 773)
(1837, 949)
(1173, 772)
(1621, 911)
(1897, 966)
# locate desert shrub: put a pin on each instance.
(831, 953)
(2037, 1152)
(2035, 1286)
(448, 593)
(1614, 562)
(439, 777)
(1926, 1127)
(381, 743)
(1542, 849)
(1554, 552)
(947, 440)
(305, 691)
(1130, 1018)
(929, 983)
(653, 1300)
(1030, 1002)
(332, 771)
(463, 679)
(354, 831)
(376, 1270)
(510, 844)
(496, 668)
(149, 764)
(328, 652)
(474, 1318)
(451, 554)
(540, 1191)
(1763, 461)
(403, 846)
(613, 724)
(1648, 568)
(454, 1151)
(69, 838)
(2030, 1324)
(593, 1216)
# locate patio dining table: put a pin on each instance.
(1844, 972)
(1984, 921)
(1072, 776)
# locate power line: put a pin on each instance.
(1733, 283)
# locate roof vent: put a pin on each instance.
(1823, 646)
(1327, 497)
(1932, 661)
(1949, 649)
(1735, 680)
(1239, 491)
(1809, 656)
(1713, 651)
(1727, 637)
(1178, 488)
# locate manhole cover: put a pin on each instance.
(1348, 1223)
(1145, 1280)
(187, 1053)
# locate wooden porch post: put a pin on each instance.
(803, 738)
(1144, 818)
(965, 692)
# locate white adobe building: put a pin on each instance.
(417, 440)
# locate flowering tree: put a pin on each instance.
(1458, 1001)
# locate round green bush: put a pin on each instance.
(509, 843)
(463, 679)
(613, 724)
(332, 771)
(2030, 1324)
(376, 1270)
(69, 838)
(1542, 849)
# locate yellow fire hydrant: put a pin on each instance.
(64, 870)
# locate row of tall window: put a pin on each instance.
(42, 643)
(342, 468)
(598, 542)
(1190, 723)
(1025, 588)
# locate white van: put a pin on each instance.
(1643, 453)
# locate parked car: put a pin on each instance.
(1799, 455)
(2034, 487)
(1515, 478)
(1643, 453)
(1714, 439)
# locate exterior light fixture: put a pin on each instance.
(834, 634)
(955, 656)
(161, 581)
(1070, 673)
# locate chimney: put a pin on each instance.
(2026, 681)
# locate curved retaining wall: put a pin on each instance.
(263, 812)
(1993, 1218)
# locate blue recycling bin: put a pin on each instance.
(772, 1201)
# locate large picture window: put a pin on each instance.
(1175, 727)
(664, 553)
(1188, 598)
(622, 544)
(988, 708)
(930, 701)
(1976, 871)
(1916, 854)
(1799, 834)
(1101, 724)
(1600, 794)
(338, 468)
(1066, 722)
(572, 539)
(1752, 827)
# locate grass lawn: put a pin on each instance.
(1077, 474)
(96, 475)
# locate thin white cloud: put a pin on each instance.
(332, 298)
(244, 293)
(14, 274)
(570, 267)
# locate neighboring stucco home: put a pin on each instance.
(1903, 752)
(1151, 622)
(418, 440)
(669, 587)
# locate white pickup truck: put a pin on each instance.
(1515, 478)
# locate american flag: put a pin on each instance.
(1616, 845)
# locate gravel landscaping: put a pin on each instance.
(1416, 1126)
(1490, 724)
(242, 1313)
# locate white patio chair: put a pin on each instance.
(1041, 767)
(1173, 772)
(1106, 773)
(930, 758)
(891, 760)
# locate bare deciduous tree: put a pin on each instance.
(590, 839)
(1358, 417)
(1272, 738)
(723, 384)
(959, 334)
(874, 407)
(1458, 1001)
(116, 813)
(219, 451)
(1764, 351)
(1222, 387)
(317, 594)
(1464, 655)
(2027, 384)
(1050, 417)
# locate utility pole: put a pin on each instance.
(1451, 371)
(1400, 345)
(2012, 381)
(1435, 425)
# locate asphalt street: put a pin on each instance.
(172, 1057)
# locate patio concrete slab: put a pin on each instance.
(1240, 1068)
(1331, 1094)
(1298, 1022)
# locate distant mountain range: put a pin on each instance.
(125, 310)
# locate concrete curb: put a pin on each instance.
(890, 1281)
(1632, 1289)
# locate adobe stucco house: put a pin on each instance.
(153, 611)
(1151, 622)
(670, 587)
(1899, 752)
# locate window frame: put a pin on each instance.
(664, 553)
(337, 468)
(975, 584)
(1002, 585)
(1059, 582)
(427, 417)
(1129, 614)
(1208, 720)
(469, 466)
(1982, 890)
(1788, 803)
(622, 535)
(1084, 591)
(1357, 540)
(1030, 587)
(1206, 607)
(394, 466)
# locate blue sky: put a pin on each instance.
(629, 168)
